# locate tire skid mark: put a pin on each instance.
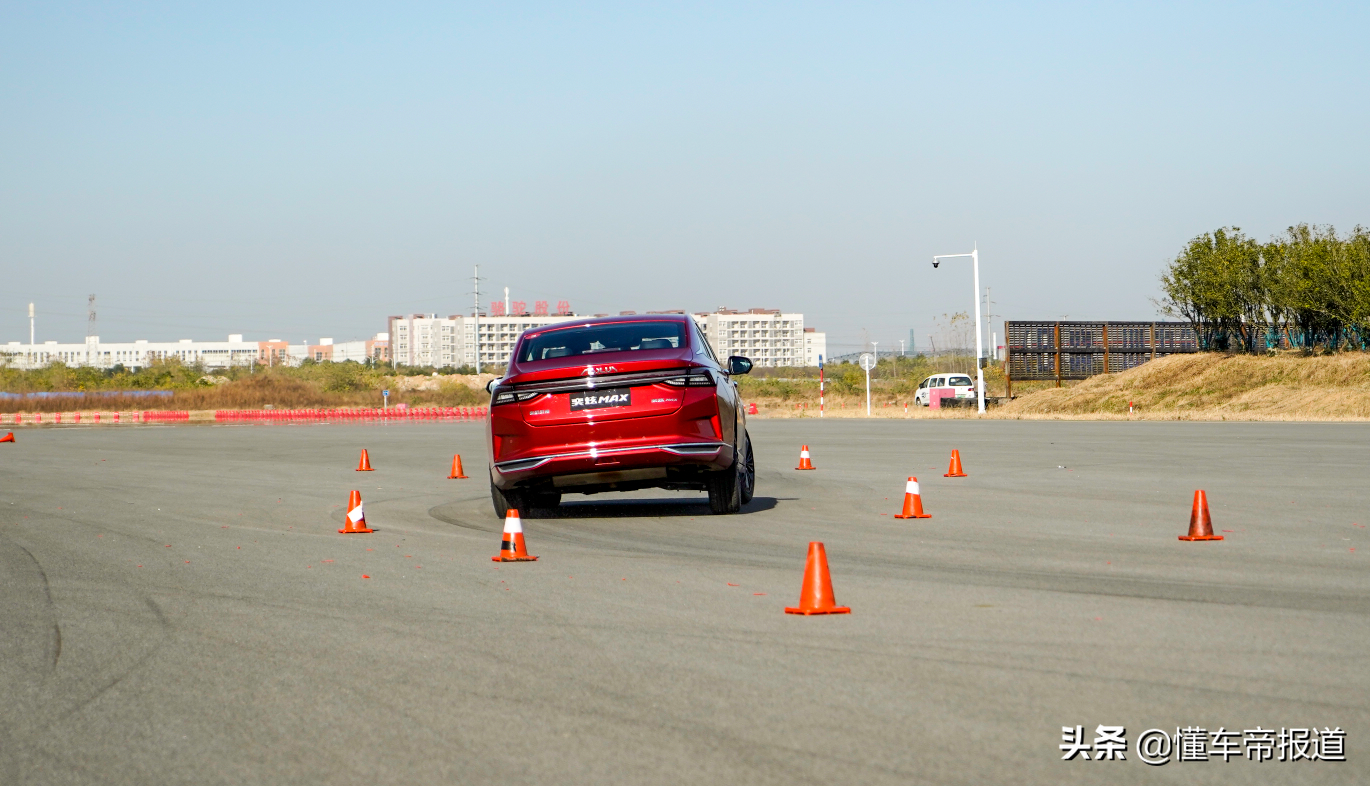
(164, 625)
(55, 644)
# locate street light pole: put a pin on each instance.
(875, 347)
(867, 363)
(979, 341)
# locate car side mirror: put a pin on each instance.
(490, 386)
(739, 365)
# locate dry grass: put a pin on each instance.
(1188, 387)
(278, 390)
(1217, 387)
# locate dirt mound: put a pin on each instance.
(1217, 386)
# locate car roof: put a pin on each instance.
(618, 320)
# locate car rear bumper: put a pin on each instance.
(605, 464)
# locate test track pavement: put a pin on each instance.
(178, 607)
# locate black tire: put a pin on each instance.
(726, 487)
(504, 500)
(747, 477)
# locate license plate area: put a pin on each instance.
(604, 398)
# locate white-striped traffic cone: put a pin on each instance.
(512, 548)
(913, 503)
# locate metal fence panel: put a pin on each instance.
(1040, 350)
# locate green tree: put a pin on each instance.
(1217, 284)
(1319, 285)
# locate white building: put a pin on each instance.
(136, 354)
(438, 342)
(767, 336)
(815, 347)
(212, 354)
(377, 349)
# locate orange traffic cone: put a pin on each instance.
(355, 522)
(365, 464)
(804, 462)
(913, 503)
(457, 474)
(8, 437)
(512, 548)
(1200, 523)
(954, 471)
(816, 597)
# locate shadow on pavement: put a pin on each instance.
(642, 508)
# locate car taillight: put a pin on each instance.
(698, 379)
(510, 396)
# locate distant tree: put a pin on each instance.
(1319, 285)
(1216, 284)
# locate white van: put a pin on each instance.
(961, 383)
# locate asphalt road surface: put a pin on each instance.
(178, 607)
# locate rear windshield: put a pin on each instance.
(599, 339)
(959, 382)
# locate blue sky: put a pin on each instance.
(295, 171)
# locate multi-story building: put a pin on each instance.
(438, 342)
(375, 349)
(136, 354)
(211, 354)
(815, 347)
(767, 336)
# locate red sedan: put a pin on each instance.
(617, 404)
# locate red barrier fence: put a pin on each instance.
(376, 415)
(392, 415)
(41, 418)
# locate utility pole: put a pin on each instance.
(875, 347)
(475, 315)
(820, 386)
(31, 347)
(90, 327)
(989, 318)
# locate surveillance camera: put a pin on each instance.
(934, 264)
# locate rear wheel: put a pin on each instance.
(727, 487)
(504, 501)
(747, 478)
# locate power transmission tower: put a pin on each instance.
(90, 329)
(989, 306)
(475, 314)
(989, 318)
